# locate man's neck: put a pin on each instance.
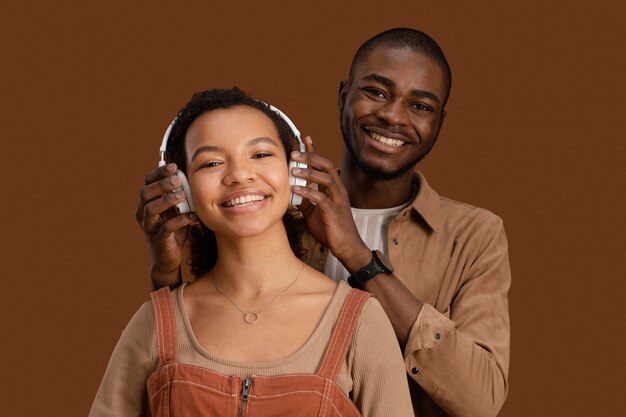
(369, 193)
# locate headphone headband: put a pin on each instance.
(292, 126)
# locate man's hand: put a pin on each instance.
(329, 219)
(327, 209)
(162, 227)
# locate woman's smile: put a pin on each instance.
(244, 199)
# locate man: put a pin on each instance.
(439, 268)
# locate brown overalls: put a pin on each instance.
(180, 390)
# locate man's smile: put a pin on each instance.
(386, 137)
(386, 140)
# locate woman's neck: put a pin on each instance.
(256, 264)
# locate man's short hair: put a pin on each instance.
(412, 39)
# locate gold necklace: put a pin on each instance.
(251, 317)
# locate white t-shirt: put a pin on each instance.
(372, 225)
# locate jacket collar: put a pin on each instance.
(427, 203)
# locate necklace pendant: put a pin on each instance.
(250, 318)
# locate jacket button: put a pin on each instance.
(414, 371)
(437, 336)
(396, 241)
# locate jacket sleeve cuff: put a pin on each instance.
(430, 328)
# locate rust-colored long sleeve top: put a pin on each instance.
(454, 258)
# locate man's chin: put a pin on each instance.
(378, 172)
(381, 174)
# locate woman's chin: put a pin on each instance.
(248, 230)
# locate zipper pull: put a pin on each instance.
(245, 391)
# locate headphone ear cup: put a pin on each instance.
(294, 198)
(185, 206)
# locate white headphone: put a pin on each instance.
(186, 206)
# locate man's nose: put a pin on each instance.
(394, 112)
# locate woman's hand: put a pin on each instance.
(164, 229)
(327, 209)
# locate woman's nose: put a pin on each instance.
(239, 172)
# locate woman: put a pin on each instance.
(258, 332)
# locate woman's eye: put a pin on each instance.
(210, 164)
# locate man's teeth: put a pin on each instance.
(244, 200)
(386, 140)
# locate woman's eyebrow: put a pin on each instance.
(262, 139)
(201, 149)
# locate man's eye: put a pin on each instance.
(422, 107)
(260, 155)
(374, 92)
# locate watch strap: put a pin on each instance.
(375, 267)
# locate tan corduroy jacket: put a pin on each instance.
(454, 258)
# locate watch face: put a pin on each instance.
(384, 261)
(378, 265)
(363, 275)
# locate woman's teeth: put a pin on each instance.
(245, 200)
(386, 140)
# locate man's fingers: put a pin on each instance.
(327, 182)
(319, 171)
(160, 205)
(315, 197)
(149, 192)
(313, 176)
(153, 191)
(306, 207)
(156, 189)
(308, 144)
(315, 161)
(165, 171)
(176, 223)
(154, 210)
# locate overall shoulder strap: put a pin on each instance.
(342, 334)
(165, 322)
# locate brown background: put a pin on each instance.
(535, 132)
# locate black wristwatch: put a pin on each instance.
(378, 265)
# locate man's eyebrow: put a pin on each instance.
(380, 79)
(251, 142)
(390, 84)
(425, 94)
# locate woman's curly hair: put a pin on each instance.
(202, 240)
